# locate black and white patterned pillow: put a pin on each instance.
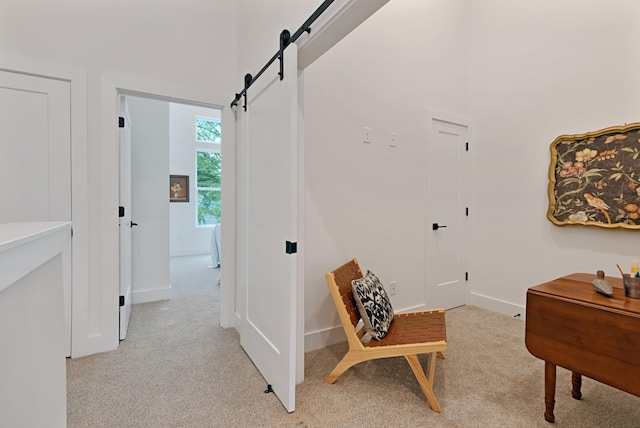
(373, 304)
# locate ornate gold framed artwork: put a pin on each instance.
(594, 178)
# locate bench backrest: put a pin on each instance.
(339, 282)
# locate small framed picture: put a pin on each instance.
(179, 188)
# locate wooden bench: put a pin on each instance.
(410, 334)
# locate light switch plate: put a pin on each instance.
(366, 135)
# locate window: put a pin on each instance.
(208, 130)
(208, 168)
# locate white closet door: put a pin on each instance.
(448, 232)
(35, 165)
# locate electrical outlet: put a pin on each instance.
(366, 135)
(393, 139)
(392, 287)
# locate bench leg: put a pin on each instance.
(425, 384)
(431, 368)
(344, 364)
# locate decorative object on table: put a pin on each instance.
(634, 269)
(179, 188)
(631, 286)
(602, 286)
(594, 178)
(631, 282)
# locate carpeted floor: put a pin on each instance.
(178, 368)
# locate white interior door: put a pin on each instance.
(125, 215)
(150, 210)
(35, 164)
(268, 329)
(447, 234)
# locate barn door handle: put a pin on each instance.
(437, 226)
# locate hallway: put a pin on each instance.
(166, 373)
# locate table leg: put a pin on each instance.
(549, 390)
(576, 383)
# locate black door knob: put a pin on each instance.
(437, 226)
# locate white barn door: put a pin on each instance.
(35, 164)
(270, 131)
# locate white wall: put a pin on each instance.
(367, 200)
(186, 237)
(259, 28)
(525, 73)
(539, 70)
(171, 43)
(181, 50)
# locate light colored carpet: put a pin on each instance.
(178, 368)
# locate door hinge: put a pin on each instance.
(121, 301)
(72, 232)
(466, 146)
(291, 247)
(466, 276)
(121, 122)
(120, 211)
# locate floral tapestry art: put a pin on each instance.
(594, 178)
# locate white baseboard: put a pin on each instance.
(145, 296)
(97, 344)
(412, 309)
(180, 252)
(497, 305)
(322, 338)
(237, 321)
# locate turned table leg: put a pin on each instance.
(549, 390)
(576, 383)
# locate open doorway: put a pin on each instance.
(176, 161)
